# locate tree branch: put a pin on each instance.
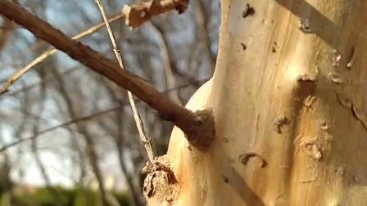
(198, 127)
(138, 14)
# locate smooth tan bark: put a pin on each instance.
(292, 100)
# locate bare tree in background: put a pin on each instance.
(174, 53)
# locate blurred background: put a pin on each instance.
(67, 135)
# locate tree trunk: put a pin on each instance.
(288, 99)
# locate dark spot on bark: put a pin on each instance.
(306, 87)
(225, 179)
(243, 46)
(324, 125)
(249, 11)
(304, 26)
(244, 158)
(273, 49)
(280, 122)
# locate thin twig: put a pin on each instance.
(203, 33)
(19, 73)
(136, 115)
(166, 63)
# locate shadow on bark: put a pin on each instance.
(235, 180)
